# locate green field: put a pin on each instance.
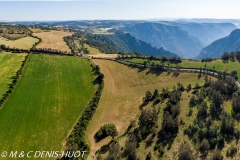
(46, 103)
(216, 65)
(22, 43)
(9, 64)
(102, 31)
(37, 30)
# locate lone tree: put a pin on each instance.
(149, 96)
(189, 87)
(130, 151)
(114, 151)
(147, 121)
(155, 94)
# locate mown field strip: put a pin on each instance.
(9, 65)
(46, 103)
(53, 40)
(94, 52)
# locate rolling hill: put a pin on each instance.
(226, 44)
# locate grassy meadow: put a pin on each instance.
(96, 53)
(102, 31)
(22, 43)
(93, 51)
(122, 95)
(46, 103)
(53, 40)
(9, 64)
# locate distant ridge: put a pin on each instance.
(168, 36)
(218, 47)
(207, 32)
(124, 42)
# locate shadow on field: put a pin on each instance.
(156, 71)
(96, 81)
(141, 69)
(13, 77)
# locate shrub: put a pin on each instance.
(106, 130)
(231, 151)
(204, 146)
(160, 149)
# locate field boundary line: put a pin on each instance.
(15, 81)
(76, 138)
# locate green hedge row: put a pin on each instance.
(35, 44)
(13, 50)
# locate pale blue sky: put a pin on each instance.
(118, 9)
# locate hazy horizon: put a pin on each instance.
(149, 19)
(118, 10)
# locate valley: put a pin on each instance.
(121, 89)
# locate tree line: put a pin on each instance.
(13, 50)
(161, 59)
(232, 56)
